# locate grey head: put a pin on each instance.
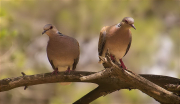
(128, 21)
(50, 29)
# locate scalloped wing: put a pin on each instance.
(76, 60)
(129, 45)
(102, 40)
(51, 62)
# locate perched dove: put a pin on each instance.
(62, 50)
(117, 39)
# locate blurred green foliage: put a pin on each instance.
(21, 47)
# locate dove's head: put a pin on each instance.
(128, 22)
(49, 29)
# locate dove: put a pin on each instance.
(62, 50)
(117, 39)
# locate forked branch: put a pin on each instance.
(111, 79)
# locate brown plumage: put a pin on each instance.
(62, 50)
(117, 38)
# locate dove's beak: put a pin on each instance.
(132, 25)
(44, 32)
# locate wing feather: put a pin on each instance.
(102, 40)
(129, 45)
(76, 60)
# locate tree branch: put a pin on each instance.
(28, 80)
(109, 80)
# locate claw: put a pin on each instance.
(55, 71)
(68, 70)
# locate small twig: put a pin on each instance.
(174, 88)
(25, 87)
(23, 74)
(102, 59)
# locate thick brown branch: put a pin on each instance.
(116, 84)
(109, 80)
(11, 83)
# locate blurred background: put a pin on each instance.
(155, 44)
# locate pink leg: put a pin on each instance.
(55, 71)
(68, 70)
(112, 58)
(122, 64)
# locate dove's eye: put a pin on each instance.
(51, 27)
(126, 21)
